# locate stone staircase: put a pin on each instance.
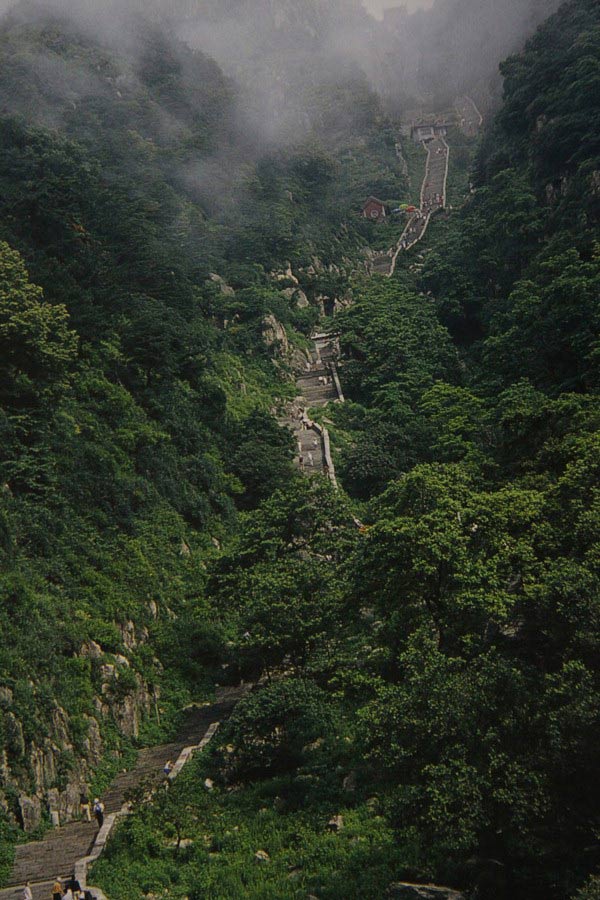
(318, 385)
(382, 263)
(433, 198)
(41, 862)
(470, 119)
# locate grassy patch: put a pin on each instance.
(287, 818)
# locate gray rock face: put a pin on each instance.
(274, 335)
(406, 891)
(15, 742)
(66, 803)
(93, 742)
(225, 289)
(296, 296)
(41, 787)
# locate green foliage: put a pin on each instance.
(271, 731)
(286, 817)
(590, 891)
(435, 637)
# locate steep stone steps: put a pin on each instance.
(381, 265)
(311, 451)
(317, 386)
(55, 856)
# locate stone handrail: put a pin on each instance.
(326, 442)
(82, 865)
(337, 382)
(447, 146)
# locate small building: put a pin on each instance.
(424, 131)
(374, 210)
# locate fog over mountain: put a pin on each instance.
(378, 7)
(280, 50)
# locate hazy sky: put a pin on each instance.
(374, 6)
(377, 6)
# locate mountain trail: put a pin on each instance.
(62, 849)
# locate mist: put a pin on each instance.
(377, 7)
(410, 50)
(301, 69)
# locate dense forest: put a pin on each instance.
(426, 637)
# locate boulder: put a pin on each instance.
(406, 891)
(30, 812)
(91, 650)
(301, 300)
(209, 784)
(225, 289)
(128, 635)
(491, 880)
(261, 856)
(336, 824)
(107, 672)
(349, 783)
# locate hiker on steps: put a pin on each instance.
(99, 812)
(168, 768)
(74, 886)
(27, 893)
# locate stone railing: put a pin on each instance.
(82, 865)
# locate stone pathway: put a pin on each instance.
(433, 199)
(470, 119)
(42, 861)
(318, 385)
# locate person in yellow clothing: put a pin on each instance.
(57, 889)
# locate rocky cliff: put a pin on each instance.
(46, 777)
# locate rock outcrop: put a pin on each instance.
(48, 775)
(275, 336)
(30, 812)
(225, 288)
